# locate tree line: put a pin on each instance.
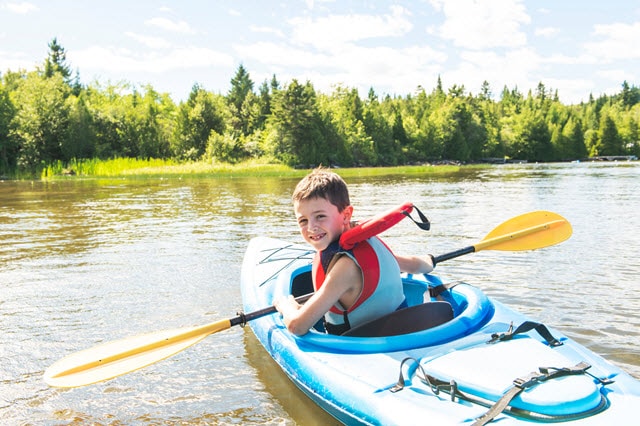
(47, 116)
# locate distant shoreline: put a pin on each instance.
(132, 168)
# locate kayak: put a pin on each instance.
(454, 356)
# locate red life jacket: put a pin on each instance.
(378, 265)
(382, 291)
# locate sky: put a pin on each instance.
(574, 47)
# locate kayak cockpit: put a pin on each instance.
(450, 312)
(429, 320)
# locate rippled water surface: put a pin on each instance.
(88, 261)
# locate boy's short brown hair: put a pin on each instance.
(323, 183)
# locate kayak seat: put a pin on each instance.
(302, 284)
(404, 321)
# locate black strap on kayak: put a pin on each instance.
(436, 292)
(530, 380)
(441, 292)
(434, 383)
(337, 329)
(424, 223)
(520, 384)
(523, 328)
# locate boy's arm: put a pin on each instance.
(415, 264)
(342, 284)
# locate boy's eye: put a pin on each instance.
(302, 222)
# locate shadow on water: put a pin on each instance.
(297, 405)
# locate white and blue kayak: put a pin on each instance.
(454, 356)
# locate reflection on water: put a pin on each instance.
(87, 261)
(276, 383)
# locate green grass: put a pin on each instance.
(131, 167)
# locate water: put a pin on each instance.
(89, 261)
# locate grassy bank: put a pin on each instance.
(131, 167)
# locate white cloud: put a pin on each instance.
(311, 3)
(21, 8)
(616, 75)
(150, 42)
(337, 57)
(390, 46)
(169, 25)
(123, 60)
(561, 59)
(16, 61)
(513, 68)
(620, 42)
(266, 30)
(332, 31)
(547, 32)
(391, 70)
(281, 55)
(572, 90)
(479, 25)
(370, 60)
(525, 68)
(396, 71)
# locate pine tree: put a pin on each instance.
(241, 85)
(56, 62)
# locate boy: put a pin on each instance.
(351, 286)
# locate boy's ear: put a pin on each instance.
(347, 213)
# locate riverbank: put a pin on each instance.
(131, 168)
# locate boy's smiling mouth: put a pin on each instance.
(317, 237)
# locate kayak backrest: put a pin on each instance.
(404, 321)
(302, 284)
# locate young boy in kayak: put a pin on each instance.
(351, 286)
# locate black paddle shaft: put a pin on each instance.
(453, 254)
(242, 318)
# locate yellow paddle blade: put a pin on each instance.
(119, 357)
(528, 231)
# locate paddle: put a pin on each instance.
(113, 359)
(528, 231)
(525, 232)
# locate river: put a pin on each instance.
(89, 261)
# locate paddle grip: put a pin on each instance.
(242, 319)
(453, 254)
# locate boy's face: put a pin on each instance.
(320, 221)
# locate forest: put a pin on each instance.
(49, 116)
